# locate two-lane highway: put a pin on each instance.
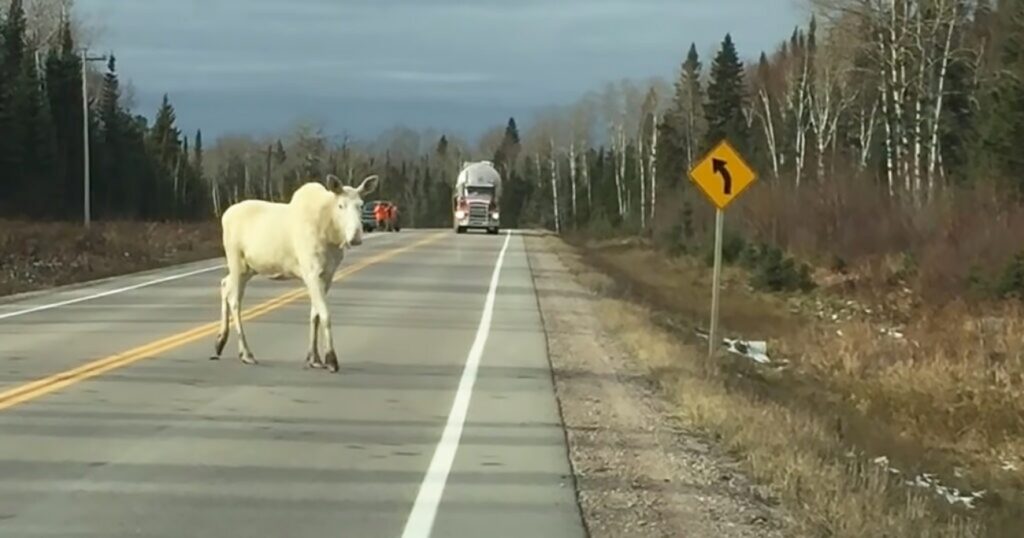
(442, 420)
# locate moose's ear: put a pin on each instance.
(368, 185)
(333, 183)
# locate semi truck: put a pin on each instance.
(476, 198)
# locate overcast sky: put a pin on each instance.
(363, 66)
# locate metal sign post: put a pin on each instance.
(722, 176)
(716, 281)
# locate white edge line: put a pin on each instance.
(107, 293)
(179, 276)
(424, 510)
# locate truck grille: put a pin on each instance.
(478, 213)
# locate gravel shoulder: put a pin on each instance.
(639, 470)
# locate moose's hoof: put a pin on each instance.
(313, 361)
(247, 358)
(331, 361)
(218, 346)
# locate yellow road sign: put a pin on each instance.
(723, 175)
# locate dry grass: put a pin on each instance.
(956, 245)
(39, 255)
(947, 398)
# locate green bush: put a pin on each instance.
(687, 223)
(979, 283)
(752, 255)
(600, 227)
(733, 244)
(776, 272)
(1011, 283)
(839, 265)
(674, 240)
(907, 270)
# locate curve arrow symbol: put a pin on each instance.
(719, 167)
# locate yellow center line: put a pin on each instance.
(55, 382)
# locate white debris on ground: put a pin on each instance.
(889, 331)
(835, 310)
(928, 481)
(755, 350)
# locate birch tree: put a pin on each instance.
(646, 151)
(767, 90)
(581, 133)
(828, 98)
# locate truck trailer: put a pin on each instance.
(477, 197)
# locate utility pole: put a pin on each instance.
(85, 129)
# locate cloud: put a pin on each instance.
(476, 53)
(432, 77)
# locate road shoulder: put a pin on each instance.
(639, 471)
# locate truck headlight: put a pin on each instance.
(494, 215)
(460, 214)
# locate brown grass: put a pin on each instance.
(934, 248)
(948, 398)
(39, 255)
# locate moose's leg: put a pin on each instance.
(331, 358)
(236, 291)
(225, 328)
(313, 355)
(317, 286)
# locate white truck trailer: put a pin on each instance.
(476, 198)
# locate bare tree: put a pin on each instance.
(653, 164)
(553, 165)
(572, 180)
(827, 97)
(581, 132)
(913, 45)
(645, 149)
(798, 100)
(765, 111)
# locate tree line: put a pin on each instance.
(914, 99)
(138, 170)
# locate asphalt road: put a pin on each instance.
(114, 422)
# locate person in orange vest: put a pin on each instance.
(393, 217)
(380, 212)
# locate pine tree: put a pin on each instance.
(165, 137)
(958, 122)
(12, 52)
(505, 156)
(726, 100)
(13, 41)
(64, 92)
(442, 147)
(164, 145)
(197, 158)
(110, 183)
(12, 46)
(110, 98)
(514, 190)
(1001, 125)
(33, 136)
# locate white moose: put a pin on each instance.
(304, 239)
